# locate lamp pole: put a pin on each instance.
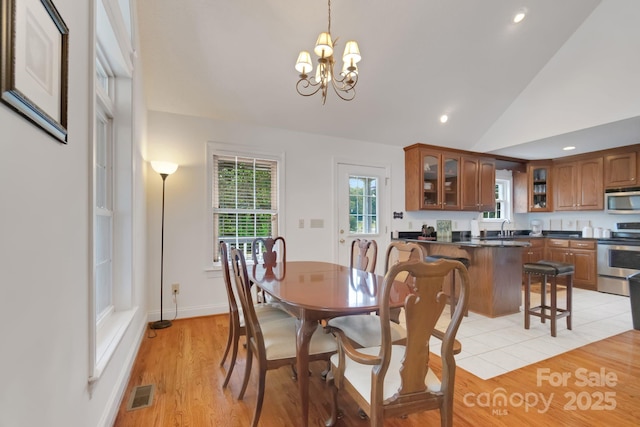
(161, 324)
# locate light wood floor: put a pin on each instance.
(183, 362)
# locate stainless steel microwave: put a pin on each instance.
(623, 202)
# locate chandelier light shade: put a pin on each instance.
(344, 83)
(164, 169)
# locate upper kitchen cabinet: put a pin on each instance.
(539, 189)
(620, 170)
(478, 177)
(579, 185)
(431, 179)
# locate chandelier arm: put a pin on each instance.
(305, 87)
(350, 92)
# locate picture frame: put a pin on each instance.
(34, 63)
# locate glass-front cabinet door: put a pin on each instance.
(451, 181)
(432, 182)
(441, 183)
(540, 195)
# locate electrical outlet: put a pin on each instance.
(175, 288)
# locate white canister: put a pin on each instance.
(606, 233)
(587, 232)
(597, 232)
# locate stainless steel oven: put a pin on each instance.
(619, 258)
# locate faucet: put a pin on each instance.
(502, 226)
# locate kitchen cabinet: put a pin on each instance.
(478, 176)
(431, 179)
(533, 253)
(539, 189)
(620, 170)
(582, 254)
(579, 185)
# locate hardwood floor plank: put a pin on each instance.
(183, 362)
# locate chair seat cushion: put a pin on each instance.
(359, 375)
(266, 312)
(364, 329)
(280, 339)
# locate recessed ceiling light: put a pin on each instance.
(519, 16)
(569, 148)
(444, 118)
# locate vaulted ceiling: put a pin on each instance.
(567, 74)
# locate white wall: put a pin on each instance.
(309, 194)
(44, 261)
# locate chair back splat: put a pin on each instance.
(394, 380)
(364, 254)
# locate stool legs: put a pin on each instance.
(527, 302)
(554, 313)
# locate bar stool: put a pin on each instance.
(554, 270)
(453, 300)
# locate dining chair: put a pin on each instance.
(268, 251)
(272, 343)
(237, 329)
(390, 380)
(364, 254)
(364, 329)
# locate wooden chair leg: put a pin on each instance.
(543, 298)
(333, 417)
(232, 364)
(229, 340)
(569, 301)
(247, 373)
(260, 399)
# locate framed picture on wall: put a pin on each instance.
(34, 67)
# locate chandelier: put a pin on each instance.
(344, 83)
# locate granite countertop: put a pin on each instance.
(476, 243)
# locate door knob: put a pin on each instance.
(341, 240)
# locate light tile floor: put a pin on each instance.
(491, 347)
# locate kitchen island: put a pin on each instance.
(495, 271)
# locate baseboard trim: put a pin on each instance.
(187, 312)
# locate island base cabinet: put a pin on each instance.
(495, 275)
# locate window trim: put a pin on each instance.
(506, 178)
(230, 149)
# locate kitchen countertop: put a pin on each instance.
(476, 243)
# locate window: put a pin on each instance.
(503, 200)
(245, 200)
(103, 190)
(363, 205)
(111, 289)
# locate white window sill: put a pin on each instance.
(109, 335)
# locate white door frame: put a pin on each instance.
(384, 207)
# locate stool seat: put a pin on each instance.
(550, 268)
(452, 297)
(552, 312)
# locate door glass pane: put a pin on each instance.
(430, 164)
(363, 205)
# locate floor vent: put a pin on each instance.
(141, 397)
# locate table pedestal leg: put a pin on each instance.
(306, 328)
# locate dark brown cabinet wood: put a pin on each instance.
(431, 180)
(582, 254)
(579, 185)
(539, 189)
(620, 170)
(478, 184)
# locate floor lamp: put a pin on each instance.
(164, 169)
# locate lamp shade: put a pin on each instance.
(303, 65)
(351, 53)
(164, 167)
(324, 46)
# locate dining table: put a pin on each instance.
(313, 291)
